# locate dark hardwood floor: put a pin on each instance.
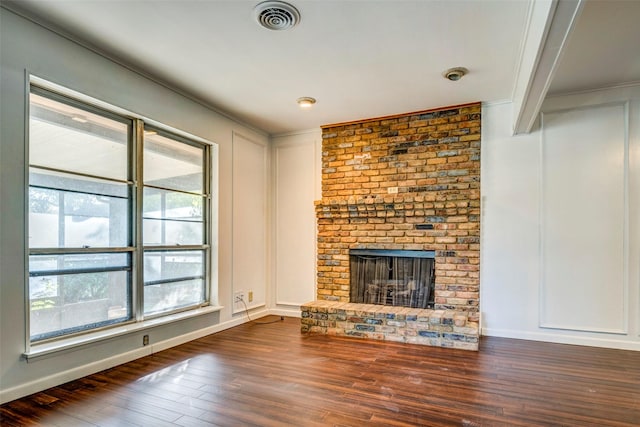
(271, 375)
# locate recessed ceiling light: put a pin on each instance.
(276, 15)
(455, 74)
(306, 102)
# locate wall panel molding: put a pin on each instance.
(584, 219)
(250, 225)
(295, 222)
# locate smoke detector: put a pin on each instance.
(455, 74)
(276, 15)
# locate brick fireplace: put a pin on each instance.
(406, 182)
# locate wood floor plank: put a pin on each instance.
(271, 375)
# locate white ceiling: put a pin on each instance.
(604, 48)
(359, 58)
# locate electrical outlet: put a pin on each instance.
(392, 190)
(250, 296)
(238, 298)
(145, 340)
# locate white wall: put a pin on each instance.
(560, 247)
(29, 48)
(296, 178)
(250, 225)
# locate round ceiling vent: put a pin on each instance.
(276, 15)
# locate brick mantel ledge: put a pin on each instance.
(377, 206)
(373, 200)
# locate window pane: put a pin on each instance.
(173, 279)
(64, 219)
(173, 295)
(159, 266)
(65, 137)
(171, 218)
(173, 164)
(62, 304)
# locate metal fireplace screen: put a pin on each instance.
(392, 277)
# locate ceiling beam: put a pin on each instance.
(549, 27)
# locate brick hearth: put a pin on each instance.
(439, 328)
(408, 182)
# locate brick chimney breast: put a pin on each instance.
(407, 182)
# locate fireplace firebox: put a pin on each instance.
(403, 278)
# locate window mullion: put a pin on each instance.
(138, 269)
(206, 217)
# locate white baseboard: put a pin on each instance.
(288, 312)
(564, 338)
(22, 390)
(58, 378)
(175, 341)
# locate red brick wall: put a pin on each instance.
(432, 159)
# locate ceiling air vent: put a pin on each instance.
(276, 15)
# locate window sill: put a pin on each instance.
(61, 346)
